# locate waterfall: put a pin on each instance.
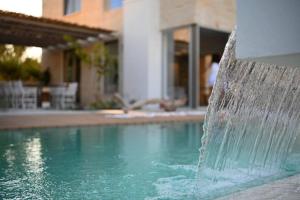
(253, 117)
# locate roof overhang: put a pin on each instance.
(26, 30)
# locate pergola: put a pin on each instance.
(20, 29)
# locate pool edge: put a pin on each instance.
(55, 121)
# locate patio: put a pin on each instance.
(18, 119)
(50, 35)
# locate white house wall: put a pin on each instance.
(154, 51)
(142, 50)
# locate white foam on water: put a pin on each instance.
(176, 187)
(188, 168)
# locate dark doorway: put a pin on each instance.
(212, 44)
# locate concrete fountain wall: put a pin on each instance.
(268, 31)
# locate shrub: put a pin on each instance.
(104, 104)
(13, 67)
(31, 70)
(11, 70)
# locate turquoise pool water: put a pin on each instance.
(108, 162)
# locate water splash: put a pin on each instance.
(253, 117)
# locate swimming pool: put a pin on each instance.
(156, 161)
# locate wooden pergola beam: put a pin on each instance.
(20, 29)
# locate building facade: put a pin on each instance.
(165, 47)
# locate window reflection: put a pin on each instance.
(114, 4)
(71, 6)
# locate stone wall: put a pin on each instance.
(89, 87)
(54, 61)
(214, 14)
(93, 13)
(174, 13)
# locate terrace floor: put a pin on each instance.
(16, 119)
(285, 189)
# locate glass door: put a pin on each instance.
(181, 58)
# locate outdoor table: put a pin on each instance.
(45, 97)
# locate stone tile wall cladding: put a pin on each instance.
(214, 14)
(92, 13)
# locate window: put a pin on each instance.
(114, 4)
(71, 6)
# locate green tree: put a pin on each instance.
(14, 67)
(98, 56)
(11, 52)
(31, 70)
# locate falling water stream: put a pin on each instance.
(252, 124)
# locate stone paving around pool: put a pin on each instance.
(16, 119)
(285, 189)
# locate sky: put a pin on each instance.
(28, 7)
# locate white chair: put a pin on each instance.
(64, 97)
(8, 94)
(57, 97)
(70, 95)
(30, 97)
(4, 101)
(17, 94)
(20, 97)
